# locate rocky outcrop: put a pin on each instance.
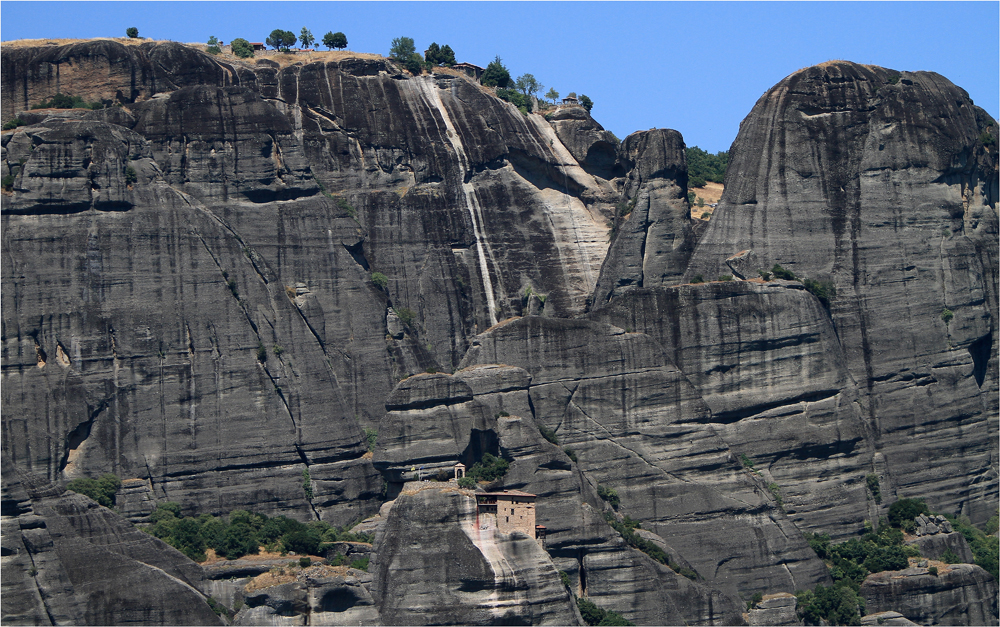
(636, 425)
(886, 618)
(936, 545)
(775, 609)
(878, 182)
(86, 565)
(593, 147)
(801, 432)
(257, 362)
(960, 594)
(434, 565)
(317, 595)
(653, 236)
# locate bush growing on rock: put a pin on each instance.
(132, 32)
(241, 48)
(595, 615)
(102, 490)
(496, 74)
(903, 511)
(402, 48)
(490, 468)
(466, 482)
(837, 605)
(213, 45)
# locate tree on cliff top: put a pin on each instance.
(306, 38)
(586, 102)
(282, 39)
(241, 48)
(336, 40)
(402, 49)
(528, 85)
(496, 74)
(132, 32)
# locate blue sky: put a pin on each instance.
(697, 67)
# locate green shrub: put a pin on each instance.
(305, 562)
(496, 74)
(307, 483)
(11, 124)
(838, 605)
(746, 461)
(704, 166)
(548, 434)
(278, 350)
(894, 79)
(775, 491)
(405, 315)
(949, 557)
(516, 98)
(102, 490)
(781, 273)
(217, 607)
(130, 175)
(62, 101)
(947, 315)
(823, 290)
(213, 45)
(261, 351)
(563, 576)
(932, 571)
(360, 564)
(698, 279)
(466, 482)
(414, 64)
(873, 487)
(609, 495)
(371, 437)
(239, 539)
(570, 453)
(764, 274)
(906, 510)
(725, 277)
(489, 468)
(303, 542)
(987, 139)
(380, 280)
(132, 32)
(241, 48)
(8, 182)
(594, 615)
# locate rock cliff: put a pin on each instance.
(218, 286)
(960, 594)
(67, 560)
(879, 182)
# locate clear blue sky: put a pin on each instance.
(697, 67)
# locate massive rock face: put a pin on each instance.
(879, 182)
(653, 236)
(67, 560)
(960, 594)
(434, 566)
(215, 285)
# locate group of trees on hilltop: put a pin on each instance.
(404, 50)
(284, 40)
(704, 166)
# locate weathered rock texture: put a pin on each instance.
(653, 236)
(434, 565)
(201, 313)
(879, 182)
(775, 609)
(67, 560)
(767, 362)
(960, 594)
(637, 426)
(212, 286)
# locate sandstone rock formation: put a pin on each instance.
(878, 181)
(960, 594)
(216, 284)
(67, 560)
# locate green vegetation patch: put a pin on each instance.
(490, 468)
(627, 527)
(704, 166)
(243, 533)
(102, 490)
(596, 615)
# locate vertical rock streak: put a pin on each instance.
(433, 98)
